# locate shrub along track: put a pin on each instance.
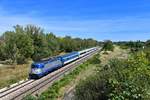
(37, 86)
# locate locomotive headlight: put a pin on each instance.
(37, 71)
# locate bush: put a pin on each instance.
(108, 46)
(93, 88)
(95, 60)
(120, 79)
(29, 97)
(125, 90)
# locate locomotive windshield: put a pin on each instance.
(33, 66)
(37, 65)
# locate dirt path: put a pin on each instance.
(117, 53)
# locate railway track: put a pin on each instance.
(37, 86)
(13, 89)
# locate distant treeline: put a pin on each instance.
(31, 42)
(133, 45)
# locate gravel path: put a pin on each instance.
(69, 95)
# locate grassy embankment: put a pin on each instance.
(10, 74)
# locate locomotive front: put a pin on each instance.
(36, 70)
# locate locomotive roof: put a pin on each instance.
(45, 61)
(75, 52)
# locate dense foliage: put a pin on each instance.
(30, 42)
(118, 80)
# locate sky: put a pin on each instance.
(117, 20)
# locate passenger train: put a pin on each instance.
(44, 67)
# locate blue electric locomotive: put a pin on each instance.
(39, 69)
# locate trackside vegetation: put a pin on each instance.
(120, 79)
(53, 92)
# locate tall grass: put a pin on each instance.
(13, 74)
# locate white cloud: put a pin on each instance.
(95, 28)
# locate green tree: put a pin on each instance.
(33, 30)
(40, 47)
(11, 47)
(53, 43)
(108, 45)
(18, 45)
(31, 42)
(67, 44)
(2, 51)
(147, 43)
